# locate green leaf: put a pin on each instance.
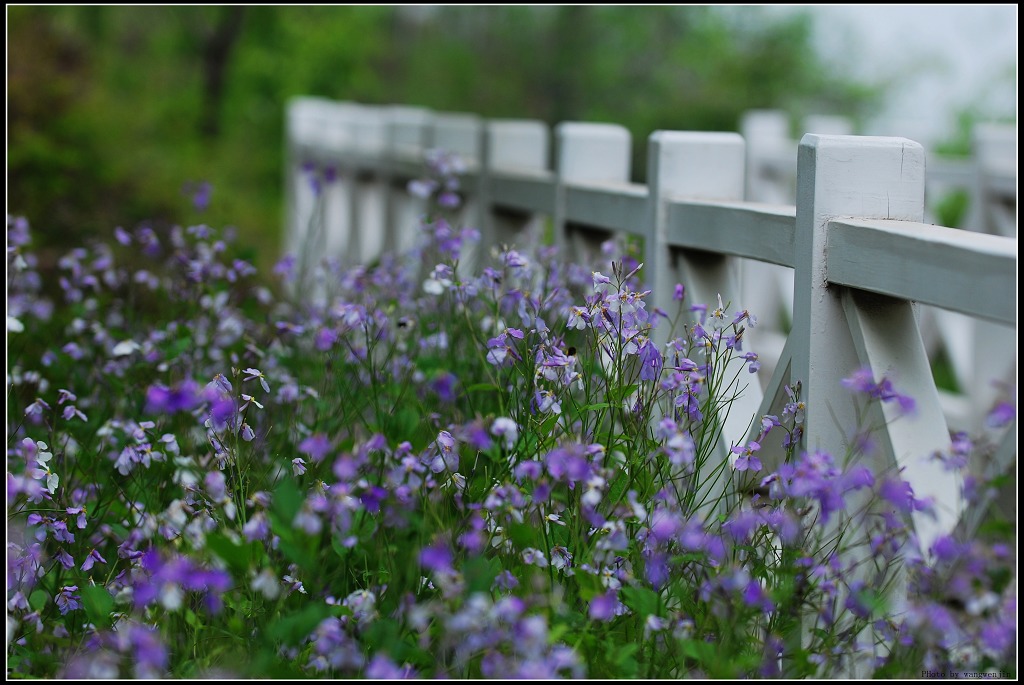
(295, 628)
(589, 585)
(295, 551)
(287, 500)
(98, 604)
(237, 557)
(625, 659)
(698, 650)
(482, 387)
(38, 599)
(641, 600)
(480, 573)
(385, 635)
(618, 484)
(875, 602)
(522, 535)
(341, 550)
(617, 395)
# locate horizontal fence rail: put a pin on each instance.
(853, 246)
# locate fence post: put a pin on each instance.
(338, 184)
(828, 124)
(462, 135)
(769, 156)
(516, 145)
(369, 183)
(995, 154)
(408, 138)
(835, 331)
(704, 166)
(994, 355)
(303, 125)
(866, 177)
(587, 152)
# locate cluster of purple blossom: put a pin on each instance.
(503, 475)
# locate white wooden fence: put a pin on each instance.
(861, 258)
(972, 348)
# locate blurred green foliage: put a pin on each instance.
(113, 110)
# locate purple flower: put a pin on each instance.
(316, 446)
(568, 464)
(149, 652)
(61, 532)
(505, 581)
(755, 365)
(665, 524)
(1001, 414)
(768, 422)
(422, 188)
(168, 580)
(445, 456)
(681, 449)
(67, 600)
(372, 498)
(747, 458)
(437, 557)
(504, 427)
(80, 513)
(257, 527)
(754, 596)
(898, 493)
(325, 338)
(65, 559)
(183, 397)
(650, 361)
(858, 477)
(216, 486)
(862, 381)
(947, 549)
(200, 193)
(448, 200)
(545, 401)
(999, 636)
(603, 607)
(579, 317)
(383, 668)
(333, 648)
(91, 560)
(445, 387)
(500, 352)
(256, 373)
(856, 601)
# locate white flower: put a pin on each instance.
(433, 286)
(717, 318)
(125, 347)
(535, 557)
(507, 428)
(171, 597)
(266, 583)
(43, 458)
(363, 604)
(256, 373)
(555, 518)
